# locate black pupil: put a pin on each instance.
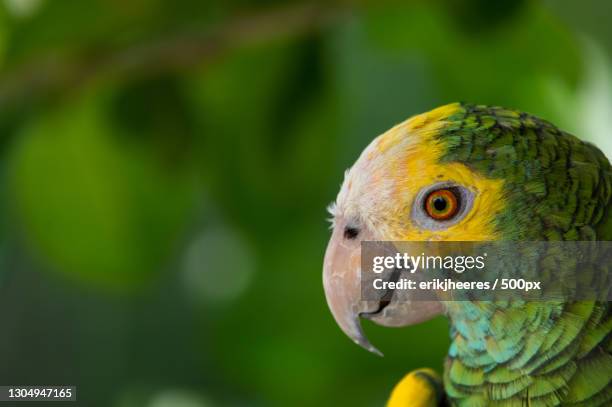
(439, 204)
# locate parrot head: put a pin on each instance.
(457, 173)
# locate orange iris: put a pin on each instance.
(441, 204)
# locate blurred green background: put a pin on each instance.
(165, 168)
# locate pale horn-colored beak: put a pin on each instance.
(342, 282)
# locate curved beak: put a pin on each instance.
(342, 281)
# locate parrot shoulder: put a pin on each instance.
(419, 388)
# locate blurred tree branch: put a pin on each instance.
(55, 74)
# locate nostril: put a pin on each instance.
(351, 232)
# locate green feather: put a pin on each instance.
(556, 187)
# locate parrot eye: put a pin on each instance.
(441, 205)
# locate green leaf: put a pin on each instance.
(94, 208)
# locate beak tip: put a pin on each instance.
(364, 343)
(376, 352)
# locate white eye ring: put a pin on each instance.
(421, 218)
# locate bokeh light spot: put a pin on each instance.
(218, 266)
(178, 398)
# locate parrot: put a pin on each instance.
(527, 181)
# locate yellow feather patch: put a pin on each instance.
(381, 187)
(416, 389)
(418, 166)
